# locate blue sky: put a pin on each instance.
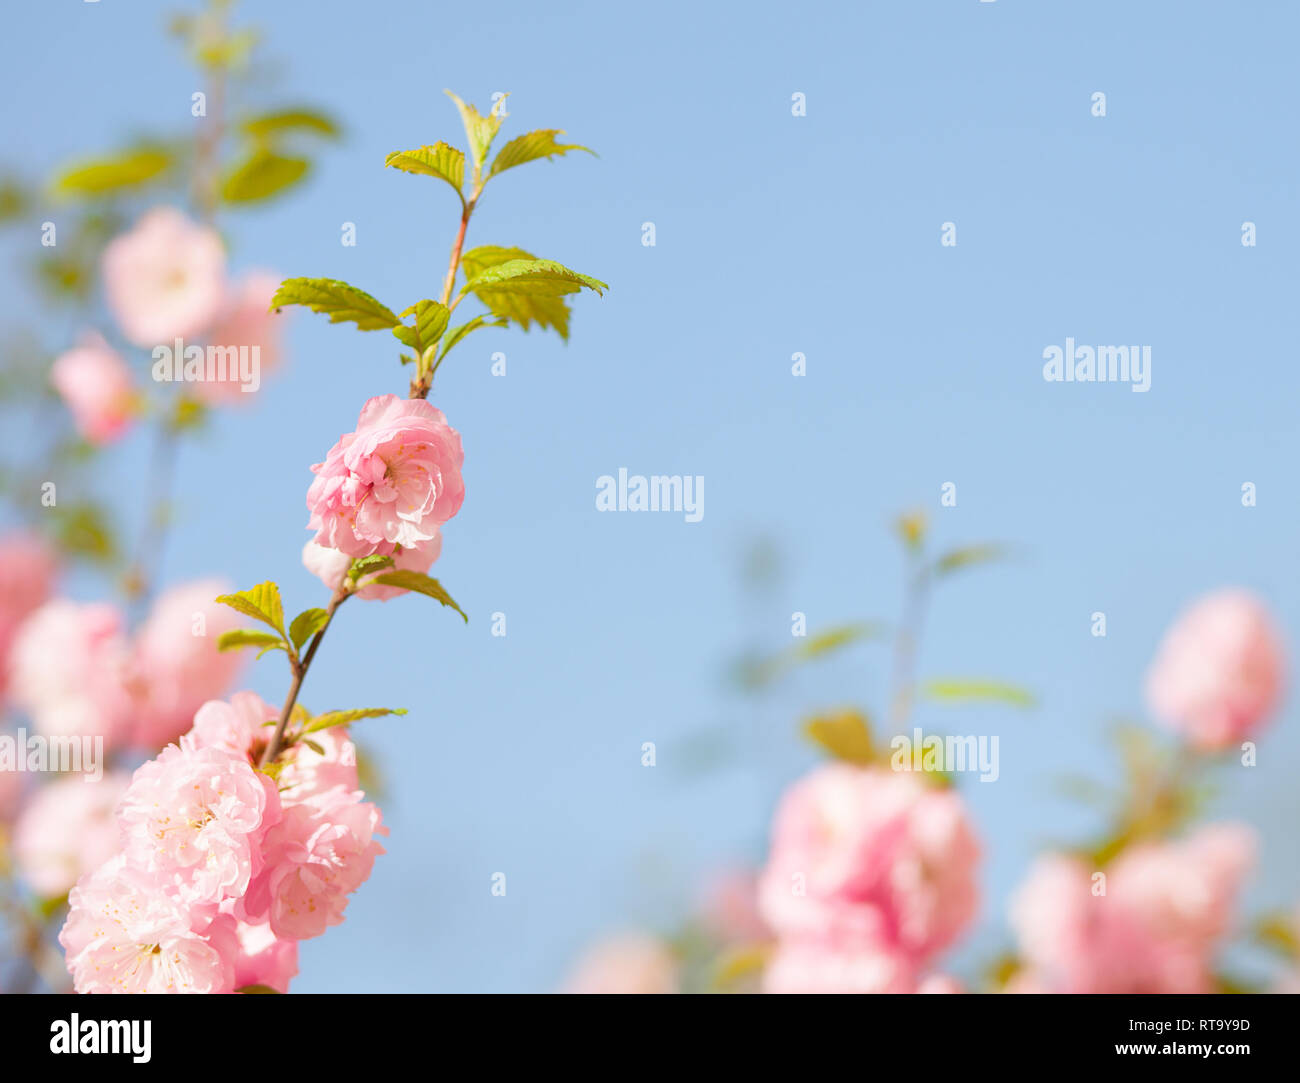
(775, 234)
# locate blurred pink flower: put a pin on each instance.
(95, 383)
(27, 571)
(330, 565)
(821, 966)
(940, 983)
(124, 935)
(871, 858)
(66, 830)
(625, 963)
(165, 278)
(730, 910)
(11, 794)
(68, 671)
(175, 662)
(246, 320)
(392, 482)
(1165, 908)
(264, 958)
(1218, 673)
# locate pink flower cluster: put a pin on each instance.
(75, 671)
(871, 874)
(165, 280)
(1149, 923)
(221, 870)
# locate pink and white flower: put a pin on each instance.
(1218, 674)
(68, 829)
(165, 278)
(95, 383)
(27, 570)
(392, 482)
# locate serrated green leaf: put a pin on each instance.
(543, 277)
(516, 286)
(430, 322)
(530, 147)
(452, 337)
(306, 624)
(269, 125)
(113, 173)
(342, 718)
(973, 691)
(421, 584)
(336, 299)
(439, 160)
(262, 175)
(479, 130)
(261, 602)
(846, 735)
(968, 555)
(364, 566)
(247, 637)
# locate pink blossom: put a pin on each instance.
(940, 984)
(27, 570)
(245, 320)
(819, 966)
(867, 857)
(392, 482)
(319, 853)
(1218, 674)
(164, 279)
(1151, 925)
(331, 565)
(67, 830)
(195, 819)
(241, 726)
(626, 963)
(95, 383)
(264, 958)
(124, 935)
(730, 910)
(68, 671)
(11, 795)
(176, 662)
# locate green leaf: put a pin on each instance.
(846, 735)
(452, 337)
(972, 691)
(421, 584)
(968, 555)
(543, 277)
(430, 322)
(257, 989)
(248, 637)
(261, 602)
(514, 285)
(336, 299)
(262, 175)
(756, 674)
(479, 130)
(268, 125)
(364, 566)
(439, 160)
(530, 147)
(306, 624)
(315, 746)
(112, 174)
(342, 718)
(1279, 932)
